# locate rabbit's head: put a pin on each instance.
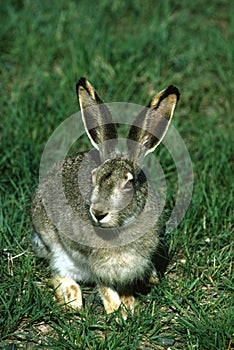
(120, 186)
(119, 192)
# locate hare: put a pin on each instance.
(95, 216)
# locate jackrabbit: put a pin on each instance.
(94, 216)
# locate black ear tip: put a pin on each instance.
(81, 82)
(172, 90)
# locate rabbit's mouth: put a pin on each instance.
(100, 217)
(109, 219)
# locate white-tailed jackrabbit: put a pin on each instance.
(98, 223)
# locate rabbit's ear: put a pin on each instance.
(152, 123)
(97, 119)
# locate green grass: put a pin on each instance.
(129, 51)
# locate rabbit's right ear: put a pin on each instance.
(151, 125)
(97, 119)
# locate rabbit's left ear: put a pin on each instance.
(152, 123)
(97, 119)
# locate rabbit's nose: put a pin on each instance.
(98, 214)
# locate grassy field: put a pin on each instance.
(129, 51)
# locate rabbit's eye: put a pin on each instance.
(128, 185)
